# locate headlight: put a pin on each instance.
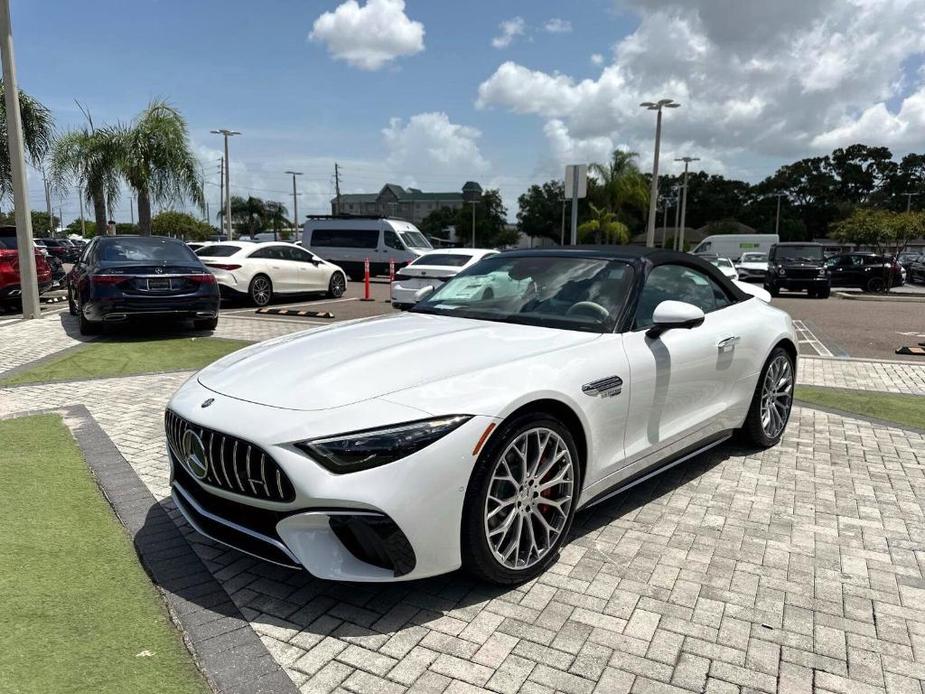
(823, 272)
(361, 450)
(781, 271)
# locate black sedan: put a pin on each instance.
(867, 271)
(122, 277)
(916, 269)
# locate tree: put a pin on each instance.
(89, 157)
(603, 227)
(37, 130)
(861, 171)
(156, 160)
(247, 214)
(76, 227)
(435, 224)
(276, 216)
(622, 189)
(181, 225)
(490, 222)
(540, 212)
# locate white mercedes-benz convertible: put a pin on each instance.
(468, 431)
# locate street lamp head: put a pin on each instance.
(660, 104)
(293, 173)
(225, 132)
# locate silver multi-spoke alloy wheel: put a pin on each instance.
(338, 285)
(776, 396)
(261, 290)
(529, 499)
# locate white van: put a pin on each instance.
(350, 241)
(732, 246)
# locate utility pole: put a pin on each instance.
(208, 214)
(653, 190)
(295, 203)
(777, 216)
(909, 197)
(27, 275)
(336, 189)
(221, 187)
(687, 161)
(80, 199)
(677, 217)
(473, 203)
(665, 201)
(562, 232)
(227, 133)
(51, 222)
(131, 208)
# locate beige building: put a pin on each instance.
(410, 204)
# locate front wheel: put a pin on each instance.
(337, 286)
(772, 290)
(71, 306)
(875, 284)
(521, 500)
(260, 290)
(773, 399)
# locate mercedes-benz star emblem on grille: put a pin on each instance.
(194, 455)
(159, 270)
(207, 402)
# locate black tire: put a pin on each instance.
(753, 430)
(206, 323)
(337, 286)
(825, 293)
(71, 306)
(812, 293)
(875, 284)
(773, 291)
(260, 290)
(88, 327)
(477, 556)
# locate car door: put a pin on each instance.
(684, 383)
(392, 249)
(269, 261)
(312, 275)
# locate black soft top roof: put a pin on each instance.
(644, 259)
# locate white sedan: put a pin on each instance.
(258, 271)
(726, 266)
(469, 430)
(430, 271)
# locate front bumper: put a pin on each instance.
(798, 283)
(746, 275)
(399, 521)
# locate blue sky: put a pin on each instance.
(506, 115)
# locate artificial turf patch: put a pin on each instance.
(903, 409)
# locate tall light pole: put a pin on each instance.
(777, 216)
(687, 161)
(653, 191)
(473, 203)
(227, 133)
(28, 279)
(295, 202)
(909, 197)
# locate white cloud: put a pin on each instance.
(429, 142)
(510, 29)
(758, 82)
(597, 59)
(369, 36)
(558, 26)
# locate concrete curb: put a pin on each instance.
(228, 651)
(881, 297)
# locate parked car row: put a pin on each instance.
(10, 286)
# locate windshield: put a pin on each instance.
(568, 293)
(808, 253)
(152, 249)
(217, 251)
(722, 262)
(443, 259)
(415, 239)
(754, 258)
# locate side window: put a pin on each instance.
(678, 283)
(298, 255)
(267, 252)
(392, 240)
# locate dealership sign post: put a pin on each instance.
(576, 186)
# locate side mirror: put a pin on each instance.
(423, 293)
(674, 314)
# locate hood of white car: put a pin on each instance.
(754, 265)
(357, 361)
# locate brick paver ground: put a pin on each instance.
(795, 569)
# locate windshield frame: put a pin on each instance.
(609, 326)
(794, 253)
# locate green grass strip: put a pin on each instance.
(130, 357)
(79, 612)
(903, 409)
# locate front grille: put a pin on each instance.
(230, 463)
(803, 273)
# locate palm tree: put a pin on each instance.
(622, 186)
(603, 227)
(37, 130)
(247, 214)
(91, 157)
(156, 160)
(276, 215)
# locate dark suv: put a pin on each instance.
(798, 267)
(868, 271)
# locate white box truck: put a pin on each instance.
(732, 246)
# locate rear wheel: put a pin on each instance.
(260, 290)
(773, 290)
(520, 501)
(88, 327)
(337, 286)
(825, 293)
(773, 399)
(71, 306)
(875, 284)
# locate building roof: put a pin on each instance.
(403, 194)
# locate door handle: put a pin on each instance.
(728, 343)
